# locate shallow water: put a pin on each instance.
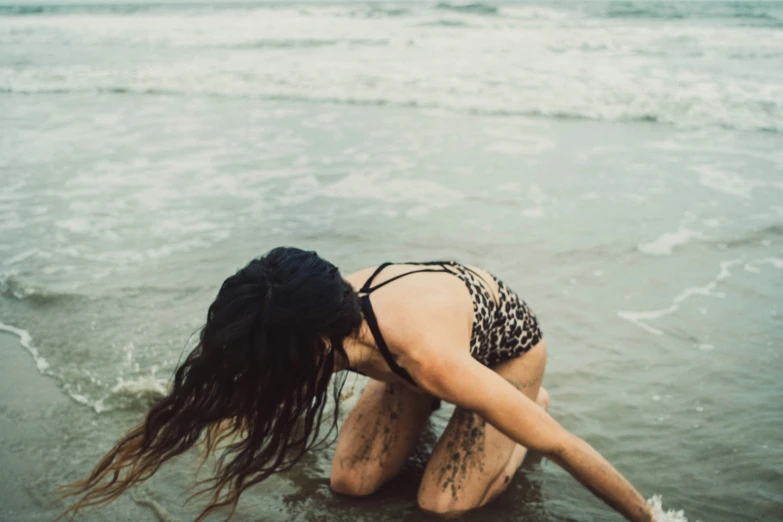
(619, 165)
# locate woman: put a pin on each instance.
(283, 325)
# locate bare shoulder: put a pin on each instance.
(358, 278)
(419, 310)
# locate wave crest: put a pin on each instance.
(305, 43)
(445, 23)
(12, 287)
(138, 394)
(476, 8)
(609, 112)
(661, 515)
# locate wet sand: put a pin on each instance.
(37, 453)
(27, 400)
(32, 408)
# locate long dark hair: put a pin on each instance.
(259, 374)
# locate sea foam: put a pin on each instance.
(664, 244)
(661, 515)
(138, 393)
(357, 60)
(26, 340)
(708, 290)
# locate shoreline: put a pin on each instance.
(31, 408)
(36, 456)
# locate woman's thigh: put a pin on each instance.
(472, 462)
(378, 436)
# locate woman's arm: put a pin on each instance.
(461, 380)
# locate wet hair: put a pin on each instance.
(258, 376)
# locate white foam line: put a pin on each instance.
(708, 290)
(731, 183)
(81, 399)
(143, 500)
(26, 340)
(21, 257)
(665, 244)
(774, 261)
(668, 145)
(635, 318)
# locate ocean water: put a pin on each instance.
(619, 164)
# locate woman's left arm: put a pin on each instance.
(465, 382)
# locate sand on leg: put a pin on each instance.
(377, 437)
(473, 462)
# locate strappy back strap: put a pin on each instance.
(367, 288)
(372, 322)
(376, 287)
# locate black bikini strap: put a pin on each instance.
(376, 287)
(372, 322)
(366, 287)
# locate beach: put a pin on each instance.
(620, 166)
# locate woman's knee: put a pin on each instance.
(353, 483)
(437, 503)
(441, 503)
(447, 497)
(543, 398)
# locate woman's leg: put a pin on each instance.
(473, 462)
(378, 436)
